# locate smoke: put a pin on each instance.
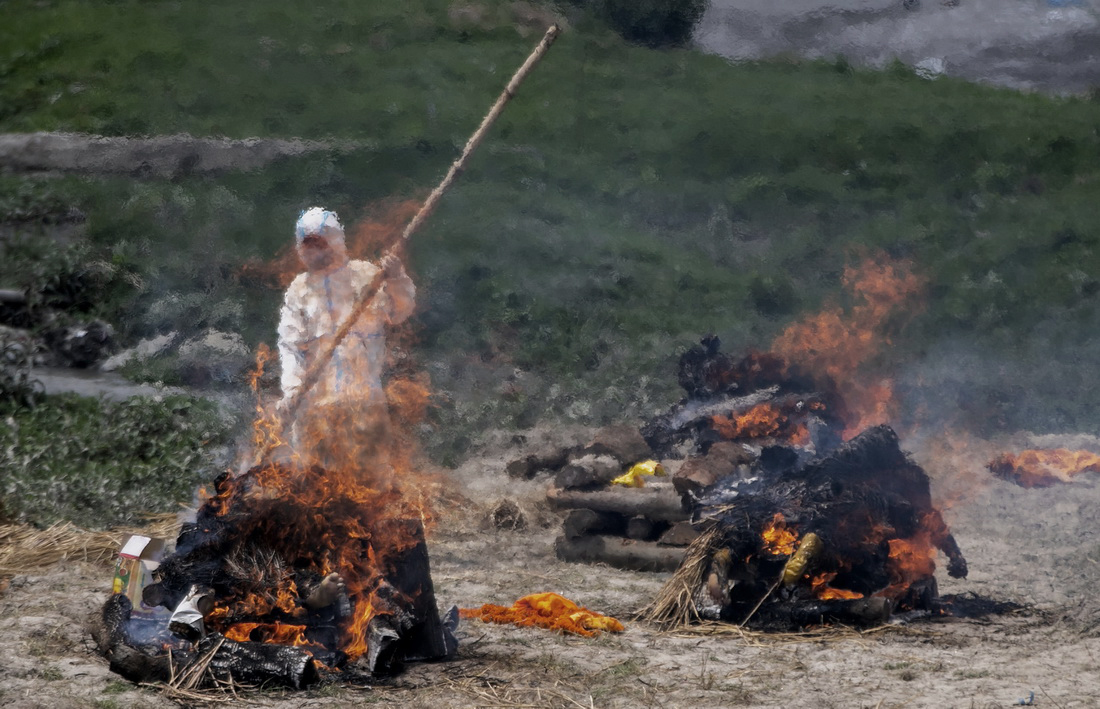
(1037, 385)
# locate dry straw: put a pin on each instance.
(24, 548)
(674, 607)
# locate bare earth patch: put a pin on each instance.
(1036, 547)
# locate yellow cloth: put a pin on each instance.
(633, 477)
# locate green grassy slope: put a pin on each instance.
(628, 201)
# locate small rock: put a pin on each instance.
(588, 472)
(214, 356)
(547, 458)
(81, 345)
(508, 516)
(680, 534)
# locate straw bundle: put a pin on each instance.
(23, 547)
(674, 606)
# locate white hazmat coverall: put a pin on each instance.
(314, 307)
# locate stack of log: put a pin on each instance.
(642, 528)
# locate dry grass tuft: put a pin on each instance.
(23, 547)
(674, 606)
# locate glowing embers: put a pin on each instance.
(268, 633)
(1044, 467)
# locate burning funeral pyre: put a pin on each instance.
(799, 527)
(288, 569)
(809, 510)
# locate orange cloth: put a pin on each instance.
(546, 610)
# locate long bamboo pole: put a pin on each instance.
(313, 373)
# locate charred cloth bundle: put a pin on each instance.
(849, 537)
(759, 397)
(243, 585)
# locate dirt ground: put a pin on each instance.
(1037, 547)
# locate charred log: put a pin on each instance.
(699, 472)
(422, 633)
(582, 522)
(123, 651)
(618, 552)
(258, 663)
(860, 613)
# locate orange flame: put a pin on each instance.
(1044, 467)
(839, 343)
(779, 540)
(761, 421)
(911, 560)
(764, 420)
(269, 633)
(821, 588)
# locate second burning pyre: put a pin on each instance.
(800, 526)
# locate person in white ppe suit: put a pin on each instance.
(345, 410)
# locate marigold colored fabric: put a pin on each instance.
(546, 610)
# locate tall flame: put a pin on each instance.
(840, 342)
(341, 490)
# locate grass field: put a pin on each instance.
(628, 201)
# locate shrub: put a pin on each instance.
(16, 385)
(654, 23)
(101, 463)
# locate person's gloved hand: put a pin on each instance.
(391, 266)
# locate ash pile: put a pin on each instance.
(251, 591)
